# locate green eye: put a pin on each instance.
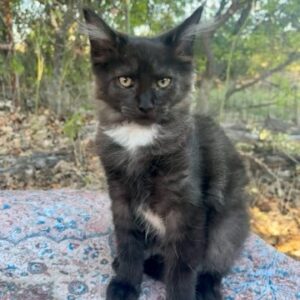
(126, 82)
(164, 82)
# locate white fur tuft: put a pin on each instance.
(94, 32)
(152, 219)
(132, 136)
(201, 28)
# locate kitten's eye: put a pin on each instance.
(126, 82)
(164, 82)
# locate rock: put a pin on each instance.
(276, 125)
(264, 206)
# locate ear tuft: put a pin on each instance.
(104, 40)
(182, 37)
(89, 15)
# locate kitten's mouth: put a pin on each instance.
(142, 118)
(145, 122)
(145, 119)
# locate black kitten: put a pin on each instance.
(175, 180)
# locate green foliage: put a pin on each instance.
(277, 142)
(276, 98)
(73, 125)
(16, 65)
(271, 31)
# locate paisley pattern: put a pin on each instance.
(59, 245)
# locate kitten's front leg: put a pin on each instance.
(130, 248)
(129, 271)
(181, 275)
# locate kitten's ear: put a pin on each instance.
(105, 42)
(181, 38)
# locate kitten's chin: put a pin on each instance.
(143, 119)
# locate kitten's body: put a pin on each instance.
(175, 180)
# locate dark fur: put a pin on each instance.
(191, 176)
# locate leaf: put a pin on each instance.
(73, 125)
(264, 134)
(17, 65)
(292, 245)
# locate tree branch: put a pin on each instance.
(6, 47)
(233, 8)
(243, 17)
(221, 7)
(292, 57)
(221, 19)
(260, 105)
(210, 58)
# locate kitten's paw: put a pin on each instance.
(209, 295)
(209, 287)
(120, 290)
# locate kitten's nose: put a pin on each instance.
(146, 109)
(145, 102)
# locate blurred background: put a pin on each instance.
(248, 74)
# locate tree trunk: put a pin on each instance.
(296, 106)
(202, 102)
(127, 17)
(203, 96)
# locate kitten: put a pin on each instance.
(176, 182)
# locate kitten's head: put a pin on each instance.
(146, 80)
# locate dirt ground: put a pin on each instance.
(37, 152)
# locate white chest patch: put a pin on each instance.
(153, 220)
(132, 136)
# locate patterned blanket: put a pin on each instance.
(59, 245)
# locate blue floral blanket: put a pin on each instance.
(59, 245)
